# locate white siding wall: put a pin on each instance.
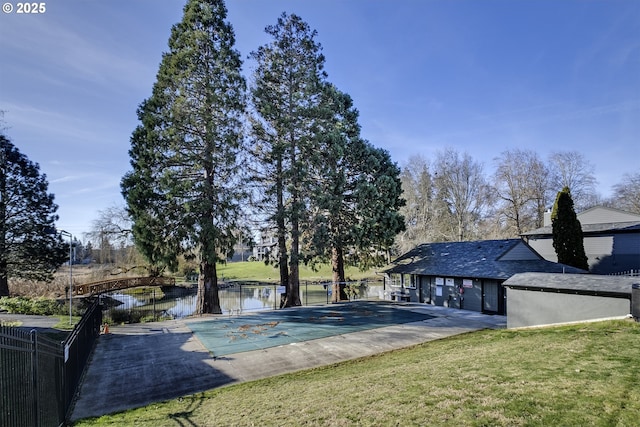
(598, 247)
(545, 248)
(600, 215)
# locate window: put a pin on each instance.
(395, 280)
(413, 282)
(408, 281)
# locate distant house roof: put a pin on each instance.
(602, 214)
(484, 259)
(583, 284)
(633, 226)
(598, 220)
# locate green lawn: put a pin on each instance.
(256, 270)
(581, 375)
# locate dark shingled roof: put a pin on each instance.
(583, 284)
(478, 259)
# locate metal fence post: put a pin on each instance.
(327, 287)
(33, 335)
(64, 387)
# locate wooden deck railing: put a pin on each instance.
(99, 287)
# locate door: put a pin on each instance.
(490, 297)
(425, 289)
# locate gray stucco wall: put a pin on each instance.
(534, 308)
(610, 253)
(449, 295)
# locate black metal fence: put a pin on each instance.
(39, 376)
(77, 349)
(162, 303)
(32, 369)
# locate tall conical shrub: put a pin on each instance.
(567, 232)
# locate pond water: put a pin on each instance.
(181, 302)
(127, 301)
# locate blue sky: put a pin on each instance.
(480, 76)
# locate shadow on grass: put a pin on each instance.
(184, 418)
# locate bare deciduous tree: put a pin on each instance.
(521, 183)
(450, 199)
(462, 187)
(111, 232)
(626, 194)
(417, 186)
(571, 169)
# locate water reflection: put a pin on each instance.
(183, 303)
(126, 301)
(184, 307)
(245, 298)
(179, 302)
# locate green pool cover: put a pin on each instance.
(223, 336)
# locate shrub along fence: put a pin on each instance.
(40, 376)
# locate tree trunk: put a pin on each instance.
(337, 266)
(4, 282)
(517, 207)
(293, 290)
(208, 298)
(281, 230)
(4, 274)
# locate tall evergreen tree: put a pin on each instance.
(286, 93)
(332, 187)
(184, 191)
(379, 201)
(354, 193)
(567, 232)
(28, 249)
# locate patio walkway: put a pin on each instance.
(140, 364)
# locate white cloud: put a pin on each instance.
(69, 55)
(66, 178)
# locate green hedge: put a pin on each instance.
(37, 306)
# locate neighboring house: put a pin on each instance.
(611, 240)
(267, 247)
(466, 275)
